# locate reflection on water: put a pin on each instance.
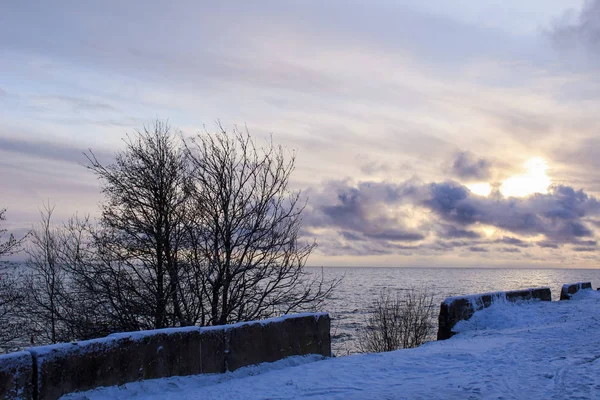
(361, 286)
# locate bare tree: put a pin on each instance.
(87, 314)
(10, 245)
(143, 232)
(45, 279)
(246, 230)
(398, 321)
(11, 299)
(11, 295)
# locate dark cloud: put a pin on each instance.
(548, 245)
(585, 242)
(509, 250)
(356, 212)
(467, 166)
(584, 249)
(452, 232)
(476, 249)
(583, 31)
(396, 235)
(352, 236)
(512, 241)
(558, 215)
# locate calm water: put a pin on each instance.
(361, 286)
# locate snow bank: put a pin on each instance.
(455, 309)
(529, 350)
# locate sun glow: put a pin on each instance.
(535, 180)
(482, 189)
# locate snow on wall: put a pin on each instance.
(455, 309)
(569, 289)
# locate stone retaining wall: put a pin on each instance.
(16, 376)
(570, 289)
(48, 372)
(455, 309)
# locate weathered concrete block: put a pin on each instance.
(164, 352)
(115, 360)
(271, 340)
(246, 345)
(543, 294)
(212, 350)
(455, 309)
(570, 289)
(16, 376)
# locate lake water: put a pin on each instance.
(361, 286)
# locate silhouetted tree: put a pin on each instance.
(245, 235)
(11, 295)
(45, 279)
(142, 232)
(10, 245)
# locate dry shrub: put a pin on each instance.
(398, 320)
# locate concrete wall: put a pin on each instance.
(16, 376)
(268, 341)
(455, 309)
(48, 372)
(570, 289)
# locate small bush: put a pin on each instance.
(398, 320)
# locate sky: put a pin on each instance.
(428, 133)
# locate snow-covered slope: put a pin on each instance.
(548, 350)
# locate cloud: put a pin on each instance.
(509, 250)
(582, 31)
(584, 249)
(356, 212)
(441, 216)
(48, 150)
(548, 245)
(467, 166)
(80, 104)
(372, 167)
(476, 249)
(452, 232)
(557, 215)
(512, 241)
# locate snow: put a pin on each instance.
(523, 350)
(20, 360)
(140, 335)
(264, 322)
(62, 349)
(476, 299)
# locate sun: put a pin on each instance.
(535, 180)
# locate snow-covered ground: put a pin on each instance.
(540, 350)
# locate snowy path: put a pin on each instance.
(524, 351)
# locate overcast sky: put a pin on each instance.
(428, 132)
